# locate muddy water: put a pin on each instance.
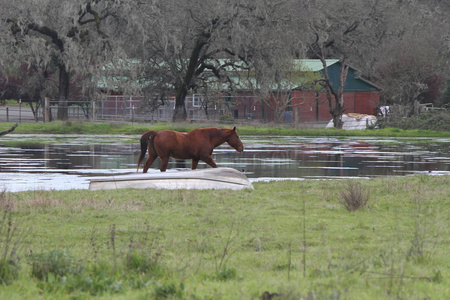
(29, 162)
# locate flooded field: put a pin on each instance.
(30, 162)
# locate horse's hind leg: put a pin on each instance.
(149, 162)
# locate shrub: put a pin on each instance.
(6, 203)
(226, 274)
(431, 120)
(59, 264)
(141, 263)
(354, 197)
(226, 119)
(9, 271)
(168, 290)
(144, 254)
(95, 280)
(10, 243)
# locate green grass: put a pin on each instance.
(69, 127)
(291, 238)
(12, 103)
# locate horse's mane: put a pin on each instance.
(214, 132)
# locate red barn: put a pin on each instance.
(303, 106)
(360, 95)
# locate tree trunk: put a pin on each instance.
(204, 103)
(338, 110)
(64, 80)
(337, 118)
(179, 114)
(335, 98)
(279, 114)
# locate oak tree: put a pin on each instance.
(195, 45)
(73, 36)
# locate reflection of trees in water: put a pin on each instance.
(79, 156)
(261, 159)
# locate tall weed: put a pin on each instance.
(424, 235)
(354, 197)
(11, 242)
(144, 253)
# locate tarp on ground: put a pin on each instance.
(356, 121)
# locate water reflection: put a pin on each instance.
(331, 157)
(274, 157)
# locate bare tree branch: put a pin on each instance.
(9, 130)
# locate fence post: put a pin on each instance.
(20, 110)
(7, 114)
(93, 110)
(46, 109)
(116, 106)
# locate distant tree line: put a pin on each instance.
(61, 49)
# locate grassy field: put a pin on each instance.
(124, 128)
(295, 239)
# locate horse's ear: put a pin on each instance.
(234, 128)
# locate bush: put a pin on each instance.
(226, 119)
(144, 255)
(9, 271)
(226, 274)
(95, 280)
(354, 197)
(169, 290)
(59, 264)
(142, 263)
(11, 242)
(57, 270)
(438, 120)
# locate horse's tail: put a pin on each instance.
(144, 145)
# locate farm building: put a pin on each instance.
(305, 106)
(360, 95)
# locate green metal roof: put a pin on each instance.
(313, 65)
(302, 65)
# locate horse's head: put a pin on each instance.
(234, 140)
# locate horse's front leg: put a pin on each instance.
(194, 164)
(164, 163)
(210, 161)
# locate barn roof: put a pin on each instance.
(354, 81)
(313, 65)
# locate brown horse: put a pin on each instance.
(197, 144)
